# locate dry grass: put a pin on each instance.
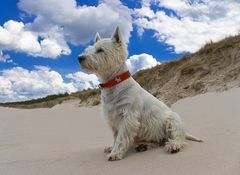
(214, 67)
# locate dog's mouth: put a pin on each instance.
(85, 67)
(81, 61)
(84, 64)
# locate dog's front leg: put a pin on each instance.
(127, 131)
(108, 149)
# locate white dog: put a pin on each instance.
(137, 118)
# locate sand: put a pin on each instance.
(68, 140)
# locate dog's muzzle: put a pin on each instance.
(81, 58)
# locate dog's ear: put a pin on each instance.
(117, 35)
(97, 37)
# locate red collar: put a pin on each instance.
(118, 79)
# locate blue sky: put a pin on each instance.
(68, 64)
(39, 44)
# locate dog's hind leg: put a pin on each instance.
(175, 134)
(127, 131)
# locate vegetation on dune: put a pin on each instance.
(52, 100)
(39, 100)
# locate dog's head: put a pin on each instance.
(105, 56)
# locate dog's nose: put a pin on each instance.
(81, 58)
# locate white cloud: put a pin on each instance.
(175, 4)
(188, 25)
(58, 23)
(15, 36)
(19, 84)
(67, 23)
(142, 61)
(79, 24)
(83, 81)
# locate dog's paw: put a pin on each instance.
(114, 156)
(141, 148)
(107, 149)
(173, 147)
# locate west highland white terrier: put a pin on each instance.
(136, 117)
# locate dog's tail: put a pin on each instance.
(193, 138)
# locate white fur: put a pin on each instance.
(135, 116)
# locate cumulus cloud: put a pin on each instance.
(142, 61)
(15, 36)
(188, 25)
(19, 84)
(52, 29)
(78, 23)
(82, 80)
(58, 23)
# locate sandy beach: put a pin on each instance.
(69, 140)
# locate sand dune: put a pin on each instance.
(68, 140)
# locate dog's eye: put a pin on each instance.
(99, 50)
